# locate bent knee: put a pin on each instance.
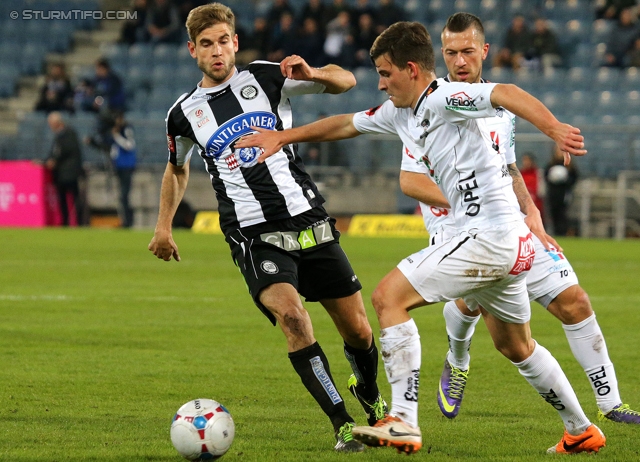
(572, 306)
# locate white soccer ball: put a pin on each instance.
(202, 429)
(558, 174)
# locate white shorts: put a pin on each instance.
(490, 266)
(550, 275)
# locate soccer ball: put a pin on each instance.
(202, 429)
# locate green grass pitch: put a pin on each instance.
(100, 343)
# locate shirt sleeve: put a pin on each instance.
(510, 143)
(301, 87)
(376, 120)
(410, 163)
(180, 146)
(458, 102)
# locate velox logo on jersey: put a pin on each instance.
(526, 253)
(460, 102)
(233, 129)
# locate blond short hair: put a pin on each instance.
(205, 16)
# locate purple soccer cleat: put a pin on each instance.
(451, 389)
(621, 413)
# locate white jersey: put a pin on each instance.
(445, 131)
(498, 133)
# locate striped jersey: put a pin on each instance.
(208, 121)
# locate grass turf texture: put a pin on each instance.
(100, 343)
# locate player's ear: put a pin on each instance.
(192, 48)
(413, 69)
(485, 51)
(235, 43)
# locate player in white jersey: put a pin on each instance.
(281, 238)
(492, 249)
(551, 280)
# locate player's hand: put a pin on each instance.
(163, 246)
(569, 140)
(296, 68)
(268, 140)
(534, 221)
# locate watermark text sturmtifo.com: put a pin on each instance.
(73, 14)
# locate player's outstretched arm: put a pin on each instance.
(421, 188)
(334, 78)
(338, 127)
(527, 106)
(174, 183)
(533, 218)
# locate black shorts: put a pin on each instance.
(303, 251)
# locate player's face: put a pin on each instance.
(463, 54)
(394, 81)
(215, 50)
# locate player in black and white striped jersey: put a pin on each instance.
(271, 213)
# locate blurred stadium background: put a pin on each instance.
(603, 101)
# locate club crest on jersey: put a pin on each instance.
(249, 92)
(269, 267)
(231, 130)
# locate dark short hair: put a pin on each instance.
(405, 42)
(460, 22)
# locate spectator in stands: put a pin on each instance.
(339, 43)
(388, 13)
(309, 43)
(83, 96)
(621, 38)
(316, 10)
(532, 177)
(363, 40)
(334, 9)
(163, 22)
(560, 180)
(107, 88)
(65, 163)
(361, 7)
(135, 29)
(632, 57)
(611, 9)
(283, 41)
(516, 45)
(56, 94)
(545, 47)
(276, 11)
(256, 45)
(123, 156)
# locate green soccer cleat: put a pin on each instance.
(345, 441)
(374, 411)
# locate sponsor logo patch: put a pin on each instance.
(526, 253)
(171, 144)
(460, 102)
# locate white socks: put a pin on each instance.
(460, 329)
(544, 374)
(402, 355)
(588, 346)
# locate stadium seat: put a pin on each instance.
(440, 10)
(141, 54)
(630, 79)
(583, 55)
(600, 31)
(526, 79)
(578, 78)
(165, 53)
(500, 75)
(606, 78)
(608, 102)
(579, 101)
